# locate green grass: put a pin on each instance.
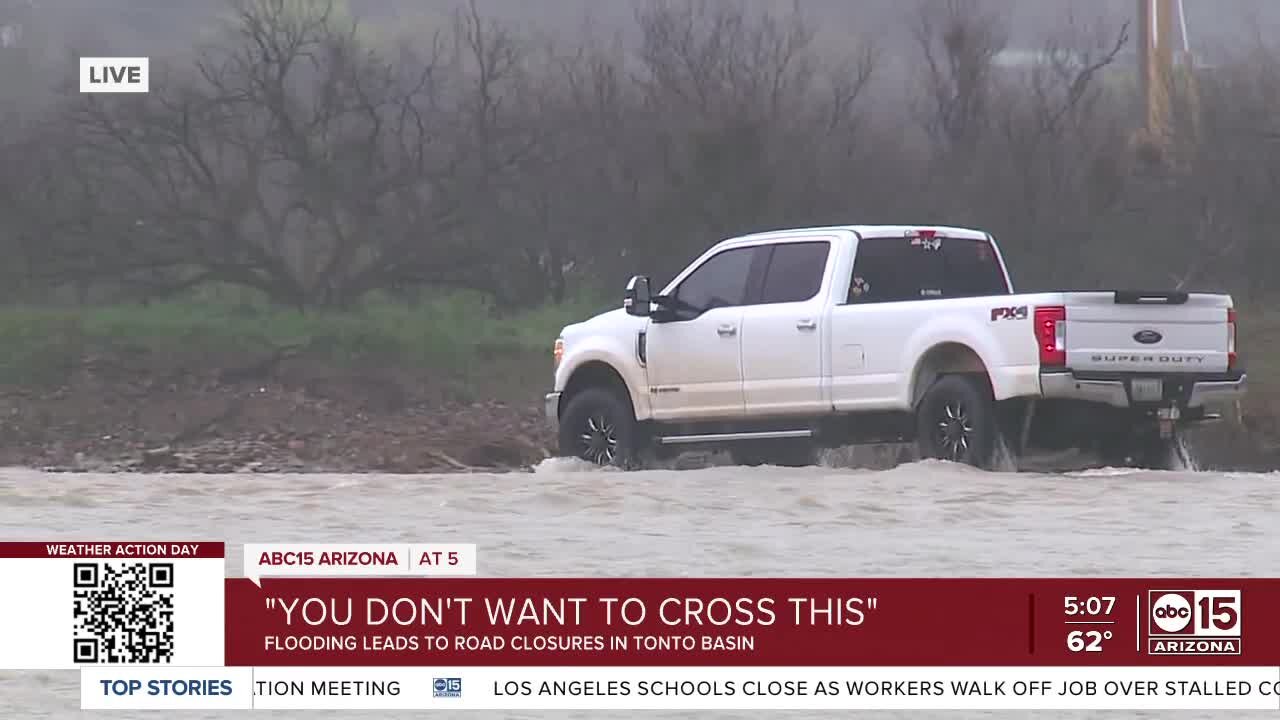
(1259, 343)
(454, 334)
(457, 337)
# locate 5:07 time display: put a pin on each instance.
(1089, 606)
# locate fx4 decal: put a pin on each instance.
(1009, 313)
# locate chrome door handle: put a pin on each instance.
(727, 330)
(806, 324)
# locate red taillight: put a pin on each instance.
(1051, 335)
(1231, 338)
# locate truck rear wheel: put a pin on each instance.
(598, 426)
(956, 421)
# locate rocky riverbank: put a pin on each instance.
(287, 416)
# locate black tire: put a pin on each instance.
(599, 426)
(782, 453)
(956, 421)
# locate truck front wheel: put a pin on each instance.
(956, 421)
(598, 426)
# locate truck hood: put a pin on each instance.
(613, 322)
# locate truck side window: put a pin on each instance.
(795, 272)
(972, 269)
(721, 281)
(895, 270)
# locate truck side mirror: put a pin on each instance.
(636, 299)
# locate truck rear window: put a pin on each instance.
(901, 269)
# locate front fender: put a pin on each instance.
(615, 354)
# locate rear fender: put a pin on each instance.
(998, 350)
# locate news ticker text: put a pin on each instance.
(691, 688)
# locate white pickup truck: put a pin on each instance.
(775, 344)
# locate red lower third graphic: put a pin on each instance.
(750, 622)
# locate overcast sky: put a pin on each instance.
(149, 27)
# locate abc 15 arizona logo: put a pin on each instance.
(1193, 622)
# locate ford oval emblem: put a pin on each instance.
(1148, 337)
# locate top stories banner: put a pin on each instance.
(404, 626)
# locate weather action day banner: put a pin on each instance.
(158, 625)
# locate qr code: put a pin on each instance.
(123, 612)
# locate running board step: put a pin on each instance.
(721, 437)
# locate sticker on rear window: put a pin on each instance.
(860, 287)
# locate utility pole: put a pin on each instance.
(1155, 66)
(1162, 36)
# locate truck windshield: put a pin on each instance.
(898, 269)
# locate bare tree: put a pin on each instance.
(295, 162)
(959, 41)
(297, 158)
(1047, 162)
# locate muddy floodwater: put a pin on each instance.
(922, 519)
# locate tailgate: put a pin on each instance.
(1142, 332)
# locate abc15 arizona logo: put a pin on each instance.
(1193, 622)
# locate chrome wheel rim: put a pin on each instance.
(599, 440)
(954, 431)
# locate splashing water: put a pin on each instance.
(882, 456)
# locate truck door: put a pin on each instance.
(783, 329)
(694, 356)
(893, 277)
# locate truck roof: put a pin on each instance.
(866, 231)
